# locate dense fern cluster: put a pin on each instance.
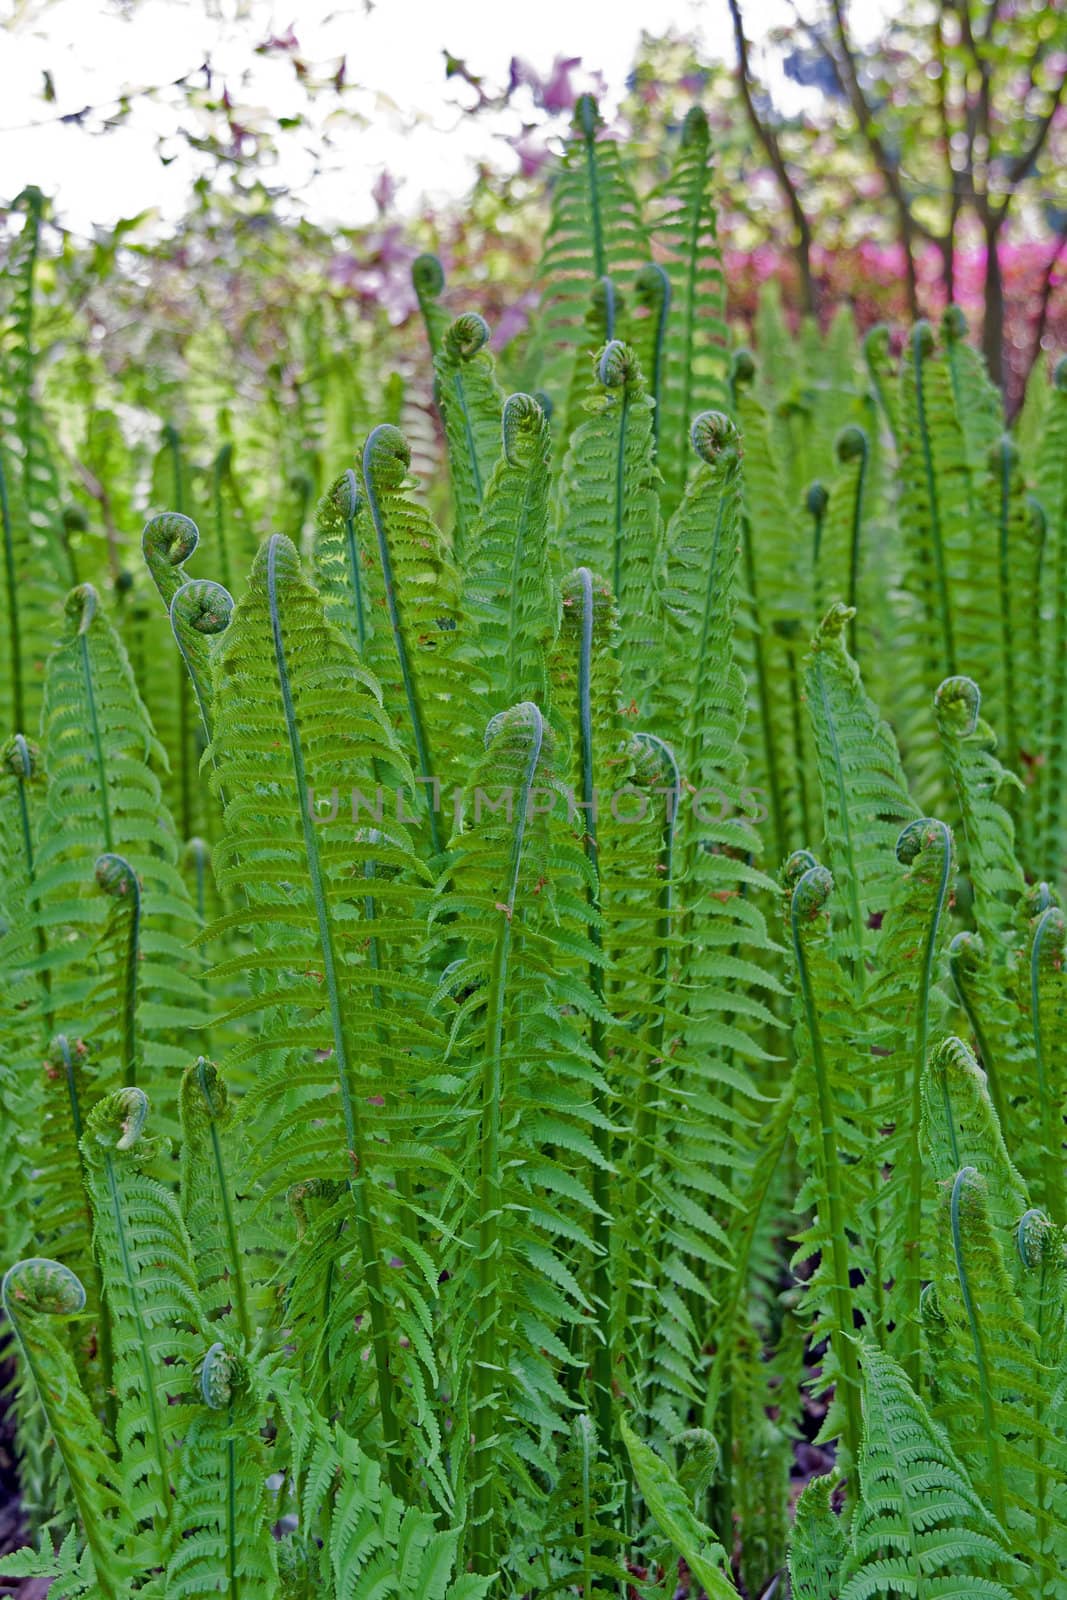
(535, 1006)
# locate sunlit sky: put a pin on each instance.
(95, 51)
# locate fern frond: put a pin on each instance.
(683, 224)
(817, 1547)
(595, 232)
(470, 402)
(345, 1042)
(919, 1521)
(610, 520)
(152, 1302)
(222, 1507)
(508, 591)
(33, 1292)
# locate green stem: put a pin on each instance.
(422, 748)
(992, 1436)
(1050, 1116)
(936, 538)
(486, 1359)
(841, 1334)
(357, 1183)
(14, 625)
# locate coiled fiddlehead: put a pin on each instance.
(428, 281)
(521, 424)
(467, 335)
(958, 702)
(167, 542)
(200, 610)
(33, 1294)
(223, 1376)
(715, 438)
(37, 1287)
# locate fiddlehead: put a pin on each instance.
(33, 1294)
(199, 611)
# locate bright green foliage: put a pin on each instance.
(920, 1525)
(508, 592)
(689, 347)
(470, 402)
(818, 1545)
(610, 517)
(582, 1152)
(595, 233)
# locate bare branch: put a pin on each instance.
(769, 140)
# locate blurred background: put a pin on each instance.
(216, 156)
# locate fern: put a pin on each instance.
(595, 233)
(470, 402)
(610, 516)
(683, 224)
(919, 1524)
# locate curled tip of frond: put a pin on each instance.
(544, 400)
(1038, 519)
(222, 1375)
(615, 365)
(1059, 374)
(117, 1122)
(197, 851)
(966, 952)
(467, 335)
(876, 342)
(817, 499)
(922, 340)
(1032, 1237)
(40, 1285)
(521, 423)
(742, 366)
(524, 718)
(202, 605)
(929, 1305)
(81, 604)
(652, 285)
(427, 276)
(833, 625)
(586, 115)
(581, 589)
(957, 703)
(204, 1089)
(1039, 896)
(75, 519)
(713, 435)
(224, 457)
(794, 867)
(346, 490)
(21, 758)
(298, 1195)
(114, 875)
(850, 444)
(1050, 938)
(810, 893)
(919, 836)
(968, 1194)
(1004, 453)
(952, 1054)
(954, 323)
(386, 454)
(653, 760)
(170, 537)
(695, 129)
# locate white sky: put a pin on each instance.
(94, 53)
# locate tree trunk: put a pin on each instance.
(993, 324)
